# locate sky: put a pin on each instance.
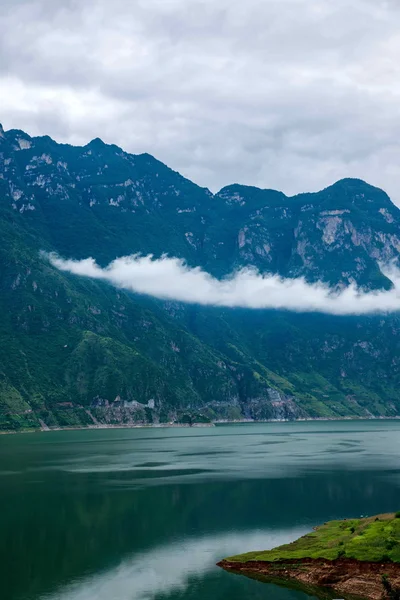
(283, 94)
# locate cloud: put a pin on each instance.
(285, 94)
(171, 279)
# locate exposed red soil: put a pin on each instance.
(344, 576)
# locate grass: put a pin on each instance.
(373, 539)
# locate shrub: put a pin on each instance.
(397, 515)
(386, 558)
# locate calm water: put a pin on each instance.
(145, 514)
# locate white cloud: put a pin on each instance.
(170, 278)
(285, 94)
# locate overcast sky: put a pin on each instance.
(287, 94)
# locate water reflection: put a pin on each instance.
(170, 568)
(97, 512)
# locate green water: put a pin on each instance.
(144, 514)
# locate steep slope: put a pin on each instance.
(101, 201)
(338, 235)
(75, 351)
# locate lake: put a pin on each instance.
(144, 514)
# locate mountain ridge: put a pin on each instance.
(99, 143)
(76, 352)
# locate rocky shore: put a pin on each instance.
(347, 577)
(349, 558)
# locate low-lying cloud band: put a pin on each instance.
(172, 279)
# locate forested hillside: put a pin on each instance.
(74, 351)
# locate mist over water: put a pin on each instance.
(144, 514)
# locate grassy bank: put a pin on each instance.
(373, 539)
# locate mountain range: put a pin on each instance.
(77, 352)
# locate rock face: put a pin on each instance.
(347, 578)
(338, 235)
(67, 342)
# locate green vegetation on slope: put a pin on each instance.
(373, 539)
(76, 352)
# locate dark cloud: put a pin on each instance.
(290, 94)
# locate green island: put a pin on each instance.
(358, 558)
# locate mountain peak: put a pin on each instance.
(353, 184)
(97, 143)
(351, 181)
(357, 192)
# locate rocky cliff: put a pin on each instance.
(75, 351)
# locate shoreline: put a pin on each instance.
(347, 577)
(119, 426)
(216, 423)
(305, 419)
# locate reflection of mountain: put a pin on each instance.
(62, 526)
(70, 345)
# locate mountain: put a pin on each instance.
(75, 351)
